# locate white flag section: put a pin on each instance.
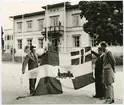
(72, 71)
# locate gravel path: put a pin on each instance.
(12, 88)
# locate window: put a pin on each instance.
(20, 44)
(54, 20)
(12, 37)
(76, 40)
(40, 42)
(19, 26)
(29, 42)
(29, 25)
(54, 41)
(8, 37)
(7, 46)
(40, 24)
(76, 20)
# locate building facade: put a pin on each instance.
(8, 40)
(60, 22)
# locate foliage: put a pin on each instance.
(105, 20)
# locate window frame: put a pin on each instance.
(29, 23)
(76, 20)
(19, 44)
(54, 20)
(76, 42)
(29, 39)
(19, 26)
(8, 37)
(8, 47)
(40, 25)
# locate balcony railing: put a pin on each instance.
(61, 28)
(54, 28)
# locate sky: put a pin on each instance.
(15, 7)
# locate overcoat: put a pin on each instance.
(108, 68)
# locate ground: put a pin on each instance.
(12, 88)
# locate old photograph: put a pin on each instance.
(61, 52)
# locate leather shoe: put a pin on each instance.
(109, 101)
(112, 101)
(102, 98)
(95, 96)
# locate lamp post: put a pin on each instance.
(22, 34)
(65, 27)
(13, 44)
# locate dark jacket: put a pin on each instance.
(98, 65)
(31, 60)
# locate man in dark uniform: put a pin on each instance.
(32, 60)
(99, 86)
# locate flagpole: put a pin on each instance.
(13, 41)
(22, 34)
(46, 22)
(65, 27)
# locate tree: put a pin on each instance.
(105, 20)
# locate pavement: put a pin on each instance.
(12, 88)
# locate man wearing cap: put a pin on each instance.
(32, 60)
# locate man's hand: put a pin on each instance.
(23, 72)
(114, 71)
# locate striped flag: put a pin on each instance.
(60, 72)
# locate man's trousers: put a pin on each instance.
(32, 83)
(109, 90)
(99, 88)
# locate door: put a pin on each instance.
(55, 43)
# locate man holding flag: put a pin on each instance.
(32, 60)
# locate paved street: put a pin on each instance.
(12, 88)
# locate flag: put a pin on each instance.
(60, 72)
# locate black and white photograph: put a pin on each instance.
(61, 52)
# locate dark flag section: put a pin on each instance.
(51, 58)
(48, 85)
(52, 78)
(88, 56)
(75, 61)
(83, 81)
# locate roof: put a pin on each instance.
(8, 29)
(72, 7)
(56, 5)
(68, 7)
(28, 14)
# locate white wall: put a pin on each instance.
(8, 42)
(35, 33)
(24, 23)
(58, 11)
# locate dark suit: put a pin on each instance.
(32, 61)
(99, 86)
